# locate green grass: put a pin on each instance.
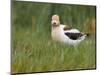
(32, 47)
(35, 53)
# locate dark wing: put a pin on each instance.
(67, 28)
(73, 36)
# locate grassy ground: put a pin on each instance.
(34, 51)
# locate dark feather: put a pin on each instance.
(74, 36)
(67, 28)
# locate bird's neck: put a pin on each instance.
(55, 27)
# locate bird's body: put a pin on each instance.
(64, 34)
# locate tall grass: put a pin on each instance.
(32, 47)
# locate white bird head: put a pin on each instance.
(55, 21)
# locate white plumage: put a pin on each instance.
(65, 34)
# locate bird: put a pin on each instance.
(65, 34)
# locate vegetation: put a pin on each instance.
(32, 47)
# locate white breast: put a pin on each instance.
(58, 34)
